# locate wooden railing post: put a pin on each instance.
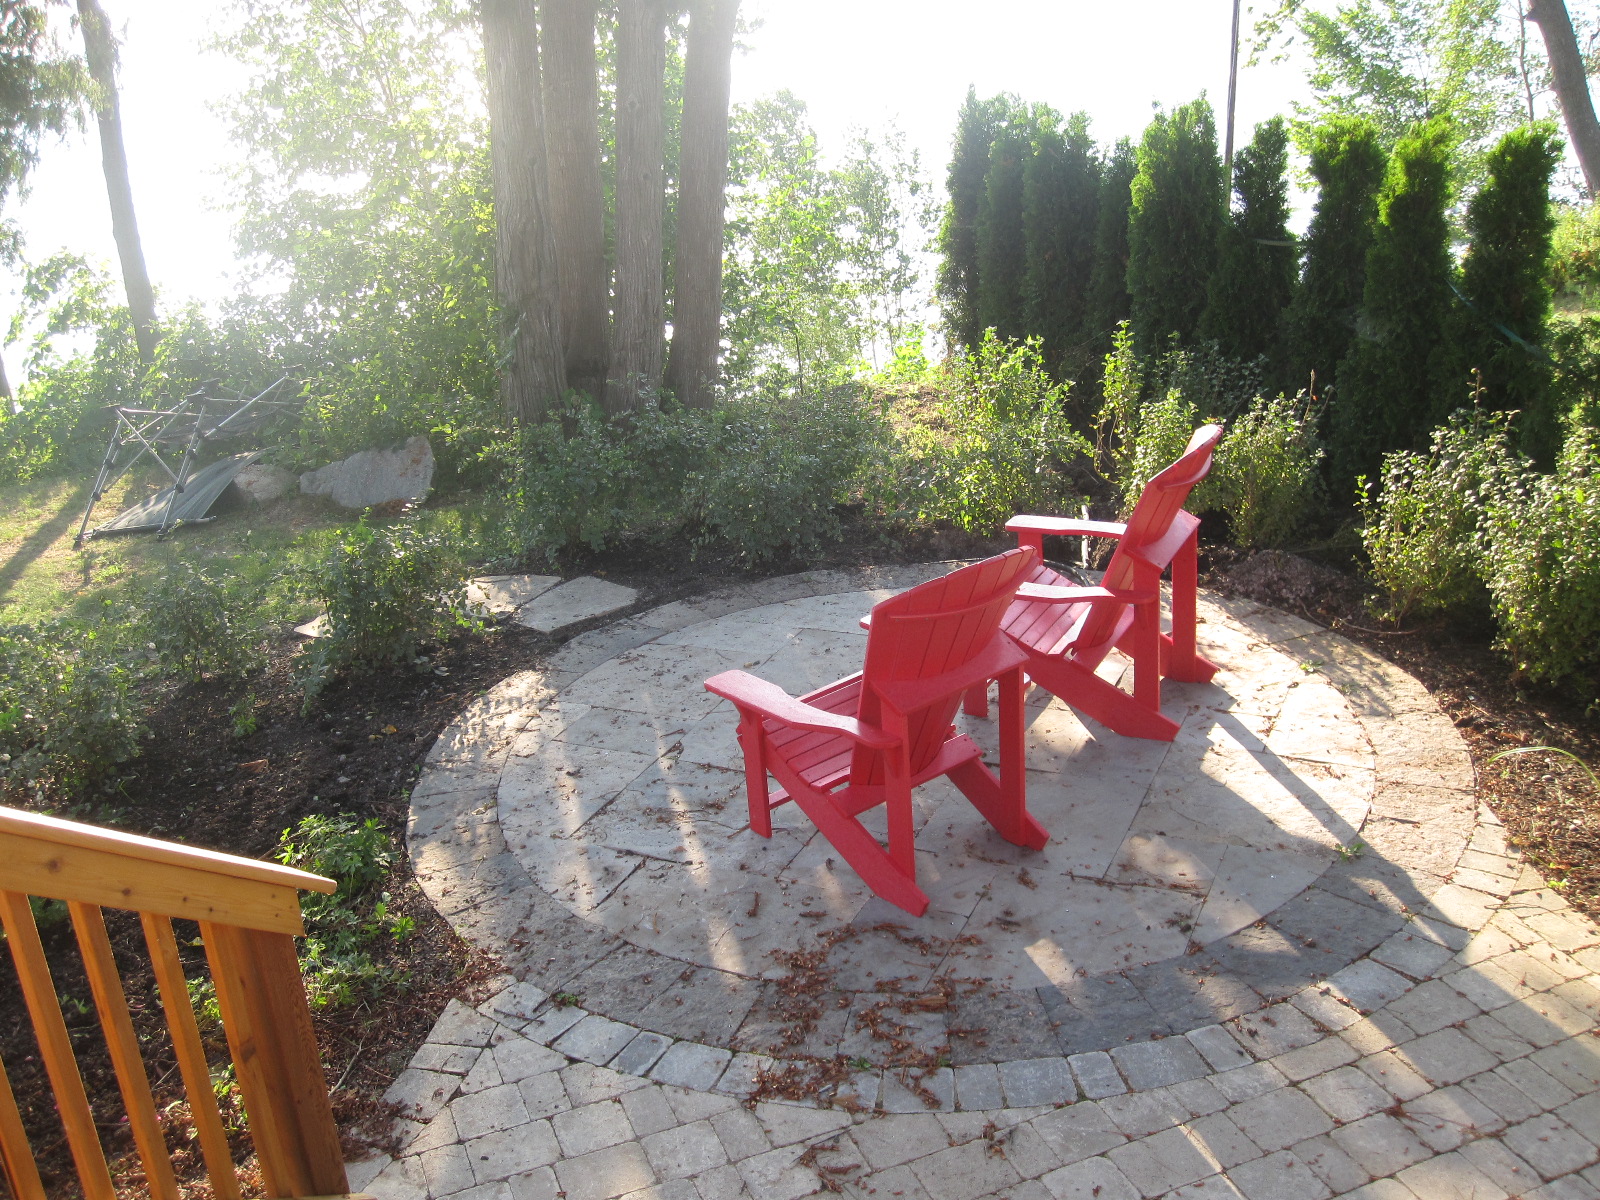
(268, 1023)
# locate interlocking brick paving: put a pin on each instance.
(1287, 954)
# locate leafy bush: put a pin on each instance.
(68, 715)
(200, 622)
(1543, 564)
(1164, 428)
(579, 479)
(1575, 252)
(1421, 527)
(997, 443)
(345, 928)
(761, 476)
(387, 590)
(1265, 471)
(778, 470)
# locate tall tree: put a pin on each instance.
(100, 52)
(1177, 212)
(1060, 207)
(1002, 250)
(1401, 62)
(1107, 302)
(1347, 163)
(957, 284)
(1505, 285)
(577, 199)
(637, 328)
(1396, 383)
(534, 375)
(1572, 85)
(40, 90)
(702, 186)
(1256, 265)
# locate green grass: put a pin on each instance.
(43, 576)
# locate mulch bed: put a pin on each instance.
(360, 746)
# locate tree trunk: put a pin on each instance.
(577, 201)
(101, 53)
(636, 335)
(534, 374)
(1572, 86)
(703, 179)
(5, 390)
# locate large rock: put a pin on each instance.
(375, 476)
(263, 482)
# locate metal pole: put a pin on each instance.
(1233, 95)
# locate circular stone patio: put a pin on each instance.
(587, 825)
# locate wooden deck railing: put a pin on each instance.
(249, 915)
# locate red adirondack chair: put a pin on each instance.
(1067, 631)
(870, 738)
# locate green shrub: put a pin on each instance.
(344, 929)
(68, 715)
(201, 622)
(997, 444)
(778, 470)
(1265, 472)
(1421, 527)
(583, 479)
(1163, 429)
(387, 591)
(760, 476)
(1575, 253)
(1543, 564)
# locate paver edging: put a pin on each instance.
(459, 778)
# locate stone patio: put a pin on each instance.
(1286, 955)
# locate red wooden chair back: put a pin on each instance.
(1156, 529)
(929, 631)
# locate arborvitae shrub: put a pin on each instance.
(1500, 323)
(958, 234)
(1177, 211)
(1256, 264)
(1347, 162)
(1396, 383)
(1002, 249)
(1060, 205)
(1107, 302)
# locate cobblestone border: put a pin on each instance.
(1372, 929)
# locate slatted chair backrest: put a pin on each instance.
(932, 630)
(1156, 530)
(249, 914)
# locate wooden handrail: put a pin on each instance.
(249, 915)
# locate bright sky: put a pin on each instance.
(854, 62)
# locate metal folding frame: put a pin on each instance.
(193, 422)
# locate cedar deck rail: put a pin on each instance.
(249, 915)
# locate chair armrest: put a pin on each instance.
(749, 693)
(1066, 527)
(1072, 595)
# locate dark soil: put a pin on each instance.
(360, 747)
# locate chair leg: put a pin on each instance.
(1179, 657)
(976, 702)
(755, 774)
(861, 850)
(1092, 696)
(1147, 655)
(1004, 802)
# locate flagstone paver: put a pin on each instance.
(1376, 1000)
